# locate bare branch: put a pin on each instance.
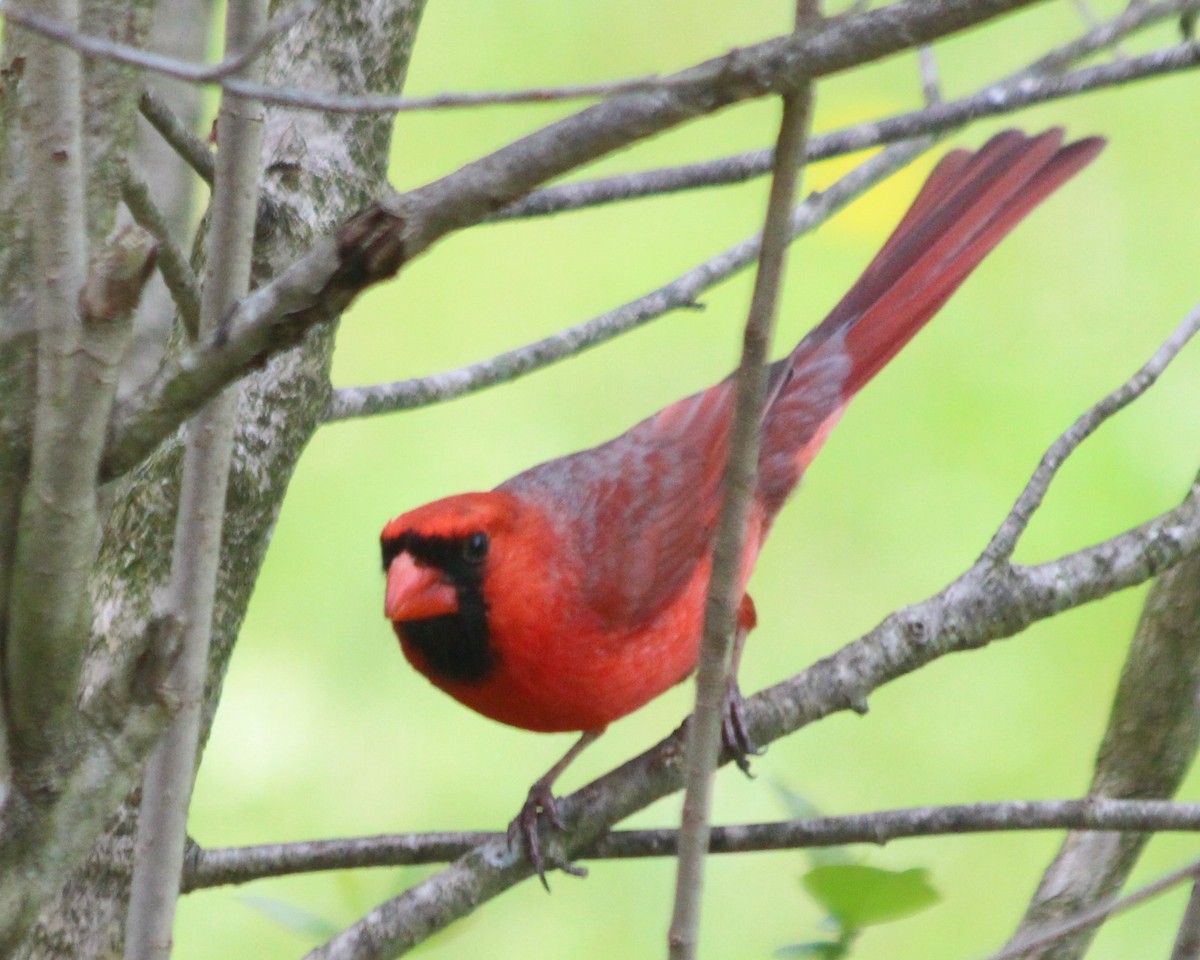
(109, 294)
(724, 592)
(172, 264)
(1005, 540)
(182, 140)
(680, 293)
(281, 23)
(61, 30)
(1091, 917)
(196, 557)
(236, 865)
(224, 72)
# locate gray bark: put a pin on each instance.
(318, 170)
(1152, 736)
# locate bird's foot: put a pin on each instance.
(524, 827)
(735, 737)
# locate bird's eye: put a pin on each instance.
(475, 547)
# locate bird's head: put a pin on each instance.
(436, 556)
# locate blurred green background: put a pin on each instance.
(325, 731)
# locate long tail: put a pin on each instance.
(968, 205)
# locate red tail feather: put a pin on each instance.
(967, 206)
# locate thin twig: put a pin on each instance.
(1002, 545)
(172, 264)
(1089, 917)
(196, 555)
(237, 865)
(190, 147)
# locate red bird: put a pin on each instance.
(573, 593)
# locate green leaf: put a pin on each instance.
(815, 950)
(858, 896)
(295, 919)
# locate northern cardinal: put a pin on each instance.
(573, 593)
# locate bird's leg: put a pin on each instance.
(734, 735)
(540, 798)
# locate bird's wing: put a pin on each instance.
(640, 510)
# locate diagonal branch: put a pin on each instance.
(185, 143)
(1149, 744)
(173, 266)
(1002, 545)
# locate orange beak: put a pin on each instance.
(416, 593)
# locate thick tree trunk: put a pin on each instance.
(318, 170)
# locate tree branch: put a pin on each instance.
(987, 603)
(237, 865)
(42, 813)
(725, 587)
(1024, 88)
(350, 402)
(1002, 545)
(185, 143)
(196, 557)
(380, 239)
(173, 266)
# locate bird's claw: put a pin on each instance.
(735, 737)
(525, 827)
